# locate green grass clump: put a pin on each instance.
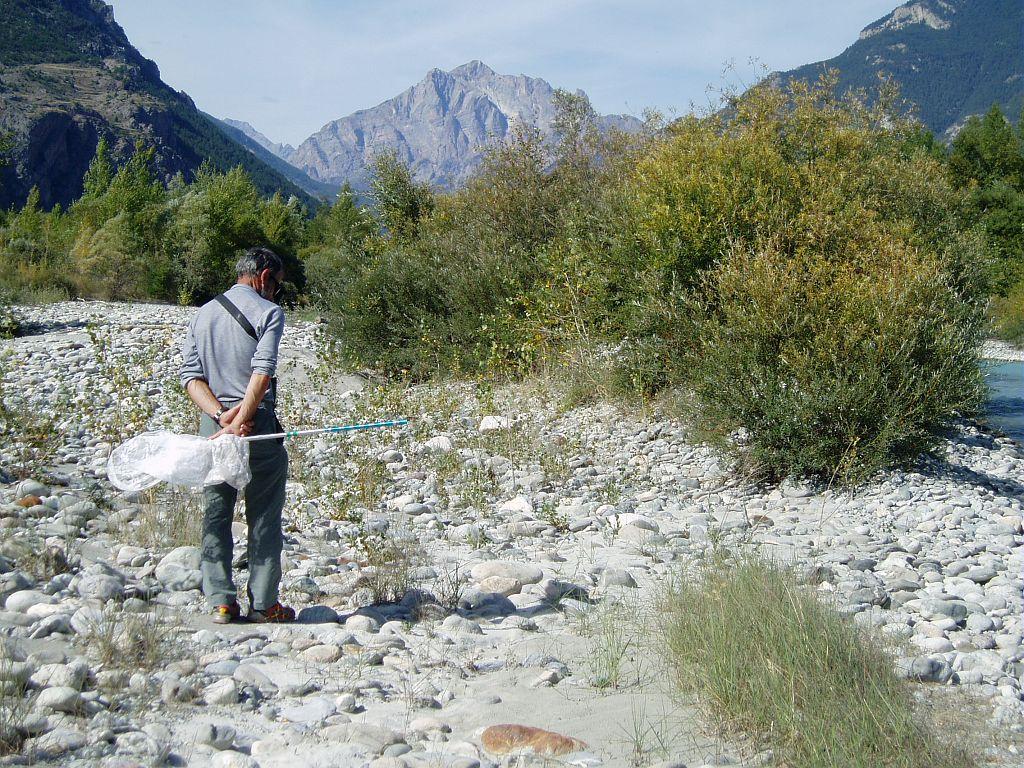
(770, 661)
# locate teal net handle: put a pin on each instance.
(326, 430)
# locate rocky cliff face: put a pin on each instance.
(951, 58)
(438, 126)
(68, 75)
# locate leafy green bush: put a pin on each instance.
(767, 659)
(832, 370)
(333, 243)
(130, 237)
(512, 266)
(987, 160)
(215, 219)
(795, 169)
(1007, 313)
(401, 201)
(33, 254)
(804, 287)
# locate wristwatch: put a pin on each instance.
(218, 414)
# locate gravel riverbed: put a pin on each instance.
(526, 544)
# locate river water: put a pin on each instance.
(1006, 401)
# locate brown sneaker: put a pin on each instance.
(275, 614)
(225, 614)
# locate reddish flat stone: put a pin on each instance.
(501, 739)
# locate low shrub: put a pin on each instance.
(767, 659)
(828, 369)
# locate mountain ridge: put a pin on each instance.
(69, 76)
(437, 126)
(251, 140)
(283, 151)
(951, 58)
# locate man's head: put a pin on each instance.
(262, 269)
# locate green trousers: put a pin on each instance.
(264, 500)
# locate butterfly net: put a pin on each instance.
(166, 457)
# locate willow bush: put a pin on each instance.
(820, 294)
(799, 264)
(495, 276)
(834, 370)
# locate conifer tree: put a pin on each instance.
(988, 150)
(100, 174)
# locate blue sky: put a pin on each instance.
(290, 66)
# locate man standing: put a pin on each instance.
(229, 361)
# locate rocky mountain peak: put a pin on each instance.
(932, 13)
(473, 70)
(438, 126)
(282, 151)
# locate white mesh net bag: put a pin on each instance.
(156, 457)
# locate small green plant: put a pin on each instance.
(554, 456)
(364, 488)
(766, 658)
(8, 323)
(389, 556)
(130, 413)
(446, 466)
(29, 430)
(485, 397)
(550, 514)
(449, 586)
(37, 558)
(387, 400)
(613, 630)
(646, 739)
(476, 485)
(610, 492)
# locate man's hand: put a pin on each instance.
(232, 425)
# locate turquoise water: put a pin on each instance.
(1006, 401)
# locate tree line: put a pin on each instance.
(814, 272)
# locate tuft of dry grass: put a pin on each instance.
(769, 660)
(127, 640)
(168, 517)
(14, 704)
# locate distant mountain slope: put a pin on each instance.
(952, 58)
(260, 149)
(438, 126)
(283, 151)
(68, 75)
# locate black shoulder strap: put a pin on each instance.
(236, 313)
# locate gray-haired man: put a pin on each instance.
(229, 360)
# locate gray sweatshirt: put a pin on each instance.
(218, 350)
